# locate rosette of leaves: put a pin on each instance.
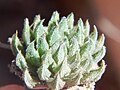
(60, 55)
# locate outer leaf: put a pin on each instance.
(32, 55)
(47, 59)
(70, 20)
(26, 32)
(94, 34)
(42, 45)
(55, 69)
(100, 43)
(91, 45)
(36, 21)
(76, 80)
(55, 47)
(16, 44)
(29, 80)
(84, 49)
(94, 75)
(55, 36)
(99, 55)
(63, 26)
(76, 62)
(86, 28)
(74, 47)
(54, 18)
(20, 61)
(43, 73)
(39, 31)
(62, 53)
(80, 34)
(57, 83)
(65, 69)
(84, 65)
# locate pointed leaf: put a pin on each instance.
(30, 83)
(32, 55)
(80, 34)
(55, 47)
(36, 21)
(100, 43)
(26, 32)
(70, 20)
(39, 31)
(84, 48)
(63, 26)
(16, 44)
(94, 34)
(76, 62)
(57, 83)
(94, 75)
(43, 73)
(99, 55)
(74, 46)
(62, 53)
(20, 61)
(65, 69)
(55, 36)
(54, 18)
(48, 59)
(91, 45)
(42, 45)
(75, 79)
(84, 65)
(86, 28)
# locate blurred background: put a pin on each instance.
(105, 14)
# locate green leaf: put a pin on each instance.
(75, 63)
(84, 49)
(16, 45)
(39, 31)
(72, 33)
(20, 61)
(86, 29)
(36, 21)
(81, 24)
(26, 32)
(48, 59)
(55, 36)
(57, 83)
(80, 34)
(99, 55)
(91, 45)
(55, 47)
(74, 46)
(32, 55)
(63, 26)
(30, 83)
(62, 53)
(43, 73)
(94, 34)
(65, 69)
(100, 43)
(70, 21)
(54, 18)
(94, 75)
(74, 78)
(53, 29)
(55, 69)
(84, 65)
(42, 45)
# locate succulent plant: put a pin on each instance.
(60, 55)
